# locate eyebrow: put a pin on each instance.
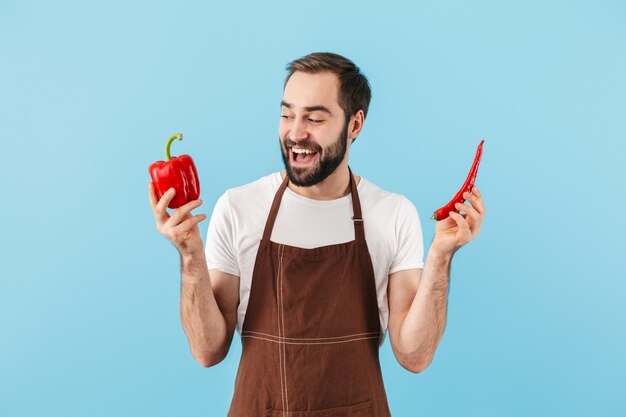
(309, 109)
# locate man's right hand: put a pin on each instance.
(181, 228)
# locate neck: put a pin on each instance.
(335, 186)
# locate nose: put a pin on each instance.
(298, 131)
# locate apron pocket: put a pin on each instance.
(363, 409)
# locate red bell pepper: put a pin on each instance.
(178, 172)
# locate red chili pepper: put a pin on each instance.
(178, 172)
(444, 212)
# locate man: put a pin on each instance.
(312, 264)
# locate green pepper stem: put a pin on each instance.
(175, 136)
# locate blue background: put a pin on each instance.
(89, 319)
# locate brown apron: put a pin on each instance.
(311, 330)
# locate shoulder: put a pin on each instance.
(376, 198)
(265, 184)
(246, 197)
(388, 212)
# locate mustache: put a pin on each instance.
(305, 144)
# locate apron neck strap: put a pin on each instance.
(357, 218)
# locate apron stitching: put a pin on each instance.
(310, 338)
(278, 302)
(311, 343)
(282, 318)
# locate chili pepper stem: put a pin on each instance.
(433, 217)
(172, 138)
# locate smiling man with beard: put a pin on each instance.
(296, 162)
(313, 265)
(330, 160)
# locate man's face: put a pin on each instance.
(313, 129)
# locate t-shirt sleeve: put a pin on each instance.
(219, 249)
(410, 242)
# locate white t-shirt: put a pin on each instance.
(392, 230)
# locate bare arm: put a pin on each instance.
(208, 299)
(208, 309)
(418, 301)
(418, 305)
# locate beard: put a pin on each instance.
(329, 159)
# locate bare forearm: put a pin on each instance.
(201, 318)
(425, 322)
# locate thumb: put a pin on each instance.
(446, 223)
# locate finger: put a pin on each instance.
(183, 211)
(152, 195)
(463, 225)
(160, 213)
(477, 201)
(445, 223)
(475, 217)
(479, 195)
(185, 227)
(165, 200)
(469, 210)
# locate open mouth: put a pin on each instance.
(302, 156)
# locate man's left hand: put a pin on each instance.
(458, 229)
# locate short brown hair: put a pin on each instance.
(354, 89)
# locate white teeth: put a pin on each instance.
(298, 150)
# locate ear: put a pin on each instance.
(356, 124)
